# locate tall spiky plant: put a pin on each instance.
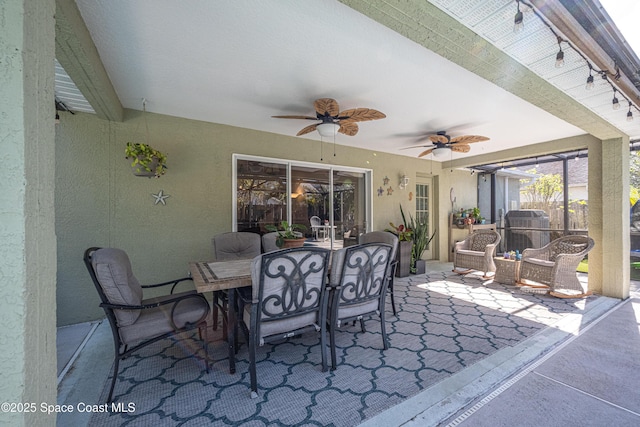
(420, 238)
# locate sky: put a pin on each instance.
(625, 14)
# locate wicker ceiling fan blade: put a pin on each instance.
(442, 139)
(418, 146)
(468, 139)
(425, 152)
(460, 148)
(348, 127)
(295, 117)
(326, 106)
(308, 129)
(361, 114)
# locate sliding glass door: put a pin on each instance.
(332, 202)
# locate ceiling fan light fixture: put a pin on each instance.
(328, 130)
(440, 152)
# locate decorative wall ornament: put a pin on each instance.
(160, 197)
(389, 191)
(380, 191)
(385, 181)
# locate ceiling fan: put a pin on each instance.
(441, 142)
(332, 120)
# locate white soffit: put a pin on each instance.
(536, 47)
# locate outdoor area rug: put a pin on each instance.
(445, 323)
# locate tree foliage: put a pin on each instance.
(544, 191)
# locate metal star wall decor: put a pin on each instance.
(160, 197)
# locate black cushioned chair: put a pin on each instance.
(135, 321)
(390, 239)
(288, 298)
(358, 288)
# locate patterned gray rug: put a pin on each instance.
(445, 323)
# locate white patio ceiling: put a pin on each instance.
(240, 62)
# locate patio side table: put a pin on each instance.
(507, 271)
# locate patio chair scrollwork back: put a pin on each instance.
(288, 298)
(358, 288)
(476, 252)
(555, 264)
(137, 322)
(390, 239)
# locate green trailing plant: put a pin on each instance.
(287, 231)
(475, 212)
(144, 157)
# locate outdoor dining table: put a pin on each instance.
(218, 276)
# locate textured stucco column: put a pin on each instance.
(609, 217)
(28, 248)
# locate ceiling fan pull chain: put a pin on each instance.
(321, 157)
(334, 145)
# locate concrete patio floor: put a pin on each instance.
(583, 371)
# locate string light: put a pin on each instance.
(590, 84)
(518, 20)
(560, 55)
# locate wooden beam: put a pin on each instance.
(79, 57)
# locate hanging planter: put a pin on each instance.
(146, 160)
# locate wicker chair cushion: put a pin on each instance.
(114, 273)
(471, 253)
(481, 240)
(541, 262)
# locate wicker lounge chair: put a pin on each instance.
(554, 266)
(476, 252)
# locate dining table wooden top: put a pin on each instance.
(220, 275)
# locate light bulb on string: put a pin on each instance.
(590, 83)
(560, 55)
(518, 20)
(614, 102)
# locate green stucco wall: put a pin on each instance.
(100, 203)
(27, 251)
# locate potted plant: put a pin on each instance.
(421, 240)
(147, 161)
(405, 245)
(289, 235)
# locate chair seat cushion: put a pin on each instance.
(347, 312)
(278, 327)
(541, 262)
(470, 252)
(156, 321)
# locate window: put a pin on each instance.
(268, 191)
